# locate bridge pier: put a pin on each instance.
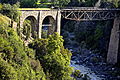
(58, 22)
(39, 24)
(112, 56)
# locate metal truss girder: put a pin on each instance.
(85, 15)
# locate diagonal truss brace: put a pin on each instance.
(84, 15)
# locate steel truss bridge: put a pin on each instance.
(90, 13)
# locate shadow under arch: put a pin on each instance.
(30, 28)
(48, 26)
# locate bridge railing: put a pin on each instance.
(90, 8)
(34, 9)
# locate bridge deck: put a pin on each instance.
(72, 8)
(90, 8)
(82, 13)
(33, 9)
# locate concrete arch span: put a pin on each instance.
(34, 26)
(48, 26)
(25, 14)
(54, 17)
(29, 29)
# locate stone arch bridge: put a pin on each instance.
(52, 17)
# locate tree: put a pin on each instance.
(53, 57)
(11, 11)
(61, 3)
(28, 3)
(10, 1)
(90, 3)
(17, 62)
(115, 2)
(56, 3)
(27, 29)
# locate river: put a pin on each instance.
(89, 63)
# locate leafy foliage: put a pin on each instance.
(59, 3)
(27, 29)
(7, 72)
(90, 3)
(55, 3)
(28, 3)
(9, 1)
(11, 11)
(17, 62)
(53, 57)
(44, 33)
(20, 62)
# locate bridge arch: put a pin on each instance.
(48, 26)
(29, 28)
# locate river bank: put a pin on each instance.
(89, 62)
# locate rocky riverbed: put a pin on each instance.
(89, 62)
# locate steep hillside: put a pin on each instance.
(48, 61)
(17, 62)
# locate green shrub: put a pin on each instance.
(27, 29)
(77, 74)
(28, 3)
(7, 72)
(53, 57)
(17, 62)
(11, 11)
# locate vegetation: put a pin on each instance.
(26, 29)
(53, 57)
(59, 3)
(10, 11)
(44, 33)
(49, 60)
(17, 62)
(46, 59)
(77, 74)
(96, 37)
(28, 3)
(20, 62)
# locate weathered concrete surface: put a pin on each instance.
(114, 43)
(40, 15)
(58, 21)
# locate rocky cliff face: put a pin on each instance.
(94, 34)
(88, 42)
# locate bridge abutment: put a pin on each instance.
(112, 55)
